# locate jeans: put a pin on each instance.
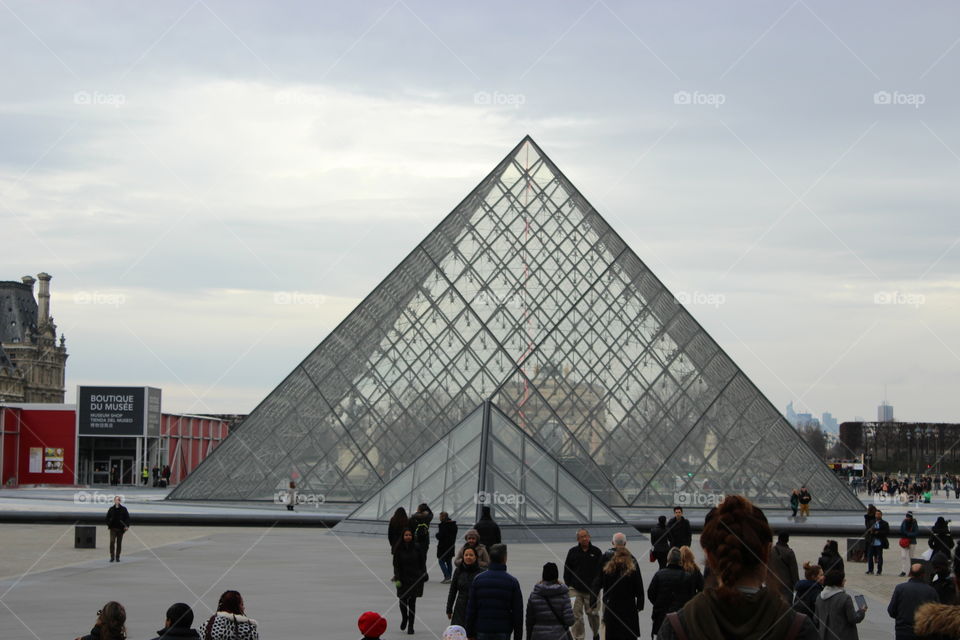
(581, 606)
(446, 566)
(875, 552)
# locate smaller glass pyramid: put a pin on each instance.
(487, 460)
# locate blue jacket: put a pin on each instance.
(495, 604)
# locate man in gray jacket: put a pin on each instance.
(838, 618)
(907, 596)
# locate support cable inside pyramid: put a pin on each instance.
(522, 296)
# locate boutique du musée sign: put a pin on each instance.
(118, 411)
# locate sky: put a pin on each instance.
(215, 185)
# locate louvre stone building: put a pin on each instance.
(524, 357)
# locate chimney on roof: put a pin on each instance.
(28, 280)
(43, 299)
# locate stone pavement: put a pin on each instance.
(298, 583)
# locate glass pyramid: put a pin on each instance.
(488, 460)
(523, 295)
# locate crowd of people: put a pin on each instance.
(750, 587)
(913, 489)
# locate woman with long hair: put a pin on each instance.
(623, 599)
(460, 586)
(110, 625)
(230, 622)
(689, 563)
(409, 574)
(737, 540)
(397, 524)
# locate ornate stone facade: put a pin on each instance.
(32, 363)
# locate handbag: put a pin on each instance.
(904, 542)
(566, 630)
(653, 557)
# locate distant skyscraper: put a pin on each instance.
(791, 414)
(829, 422)
(885, 412)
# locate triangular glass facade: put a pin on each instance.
(525, 295)
(488, 460)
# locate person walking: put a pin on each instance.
(660, 540)
(783, 572)
(909, 530)
(794, 503)
(398, 522)
(622, 588)
(807, 590)
(830, 558)
(110, 624)
(471, 540)
(118, 522)
(736, 539)
(689, 563)
(446, 545)
(805, 500)
(420, 524)
(549, 614)
(877, 541)
(907, 597)
(178, 624)
(460, 587)
(679, 533)
(940, 538)
(837, 616)
(670, 589)
(230, 621)
(580, 571)
(409, 574)
(495, 604)
(291, 495)
(488, 530)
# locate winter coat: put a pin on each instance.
(907, 597)
(622, 600)
(670, 588)
(118, 517)
(943, 583)
(495, 603)
(940, 538)
(446, 539)
(659, 537)
(95, 635)
(805, 601)
(829, 560)
(879, 530)
(177, 633)
(420, 525)
(805, 497)
(488, 529)
(229, 626)
(409, 569)
(838, 618)
(696, 580)
(937, 622)
(483, 558)
(542, 622)
(581, 568)
(782, 571)
(459, 592)
(761, 615)
(679, 533)
(910, 529)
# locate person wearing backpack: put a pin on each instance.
(549, 614)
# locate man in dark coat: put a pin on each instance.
(876, 541)
(669, 589)
(659, 539)
(907, 596)
(488, 529)
(446, 544)
(678, 531)
(782, 570)
(495, 605)
(580, 570)
(178, 624)
(118, 521)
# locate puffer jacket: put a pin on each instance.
(229, 626)
(459, 592)
(495, 603)
(937, 621)
(542, 623)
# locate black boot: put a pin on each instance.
(403, 612)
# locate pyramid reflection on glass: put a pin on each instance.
(525, 297)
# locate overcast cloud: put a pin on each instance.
(177, 165)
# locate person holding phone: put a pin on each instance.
(836, 611)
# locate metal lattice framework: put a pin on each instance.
(525, 296)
